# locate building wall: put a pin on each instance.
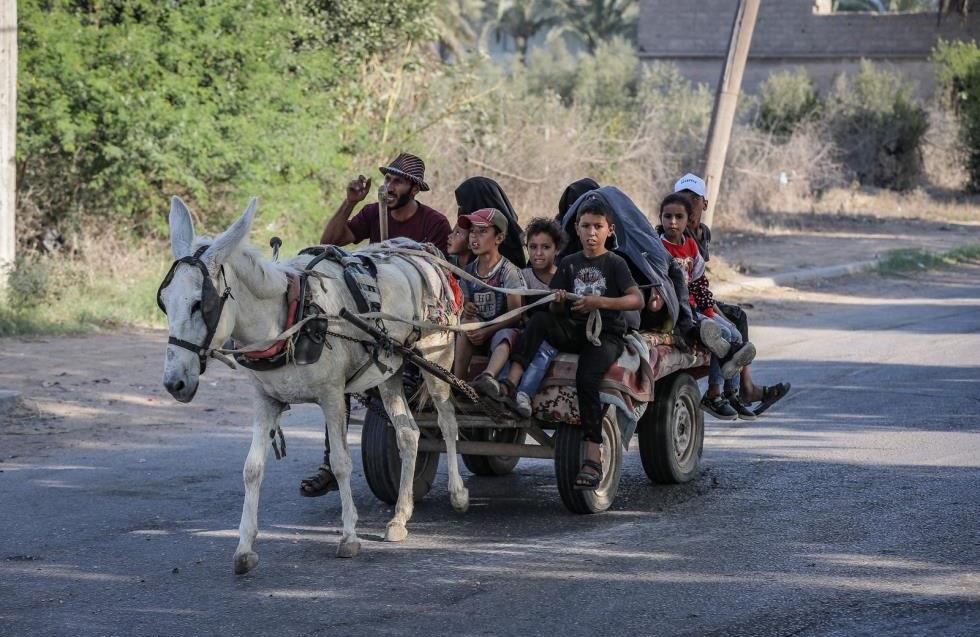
(795, 33)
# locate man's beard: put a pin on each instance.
(402, 201)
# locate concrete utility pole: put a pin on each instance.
(8, 134)
(726, 101)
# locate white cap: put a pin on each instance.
(693, 183)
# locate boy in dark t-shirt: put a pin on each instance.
(602, 282)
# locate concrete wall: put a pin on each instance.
(795, 33)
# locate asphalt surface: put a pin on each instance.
(851, 509)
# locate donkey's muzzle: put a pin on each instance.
(181, 390)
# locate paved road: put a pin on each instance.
(850, 510)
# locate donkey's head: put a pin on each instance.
(193, 295)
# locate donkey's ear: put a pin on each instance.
(181, 228)
(229, 240)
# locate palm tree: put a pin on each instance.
(598, 21)
(523, 19)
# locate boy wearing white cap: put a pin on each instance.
(697, 193)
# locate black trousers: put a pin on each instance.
(593, 362)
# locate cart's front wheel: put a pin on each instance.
(383, 465)
(671, 431)
(568, 461)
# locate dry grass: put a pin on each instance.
(108, 283)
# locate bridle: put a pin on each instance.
(210, 305)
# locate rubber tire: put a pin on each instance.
(677, 404)
(494, 465)
(568, 461)
(383, 465)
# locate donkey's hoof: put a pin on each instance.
(395, 532)
(348, 549)
(245, 562)
(460, 500)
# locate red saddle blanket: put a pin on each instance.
(293, 308)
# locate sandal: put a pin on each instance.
(320, 483)
(585, 481)
(771, 395)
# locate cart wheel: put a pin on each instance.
(382, 464)
(671, 432)
(568, 461)
(493, 465)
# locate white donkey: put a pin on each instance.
(252, 312)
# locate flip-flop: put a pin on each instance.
(322, 483)
(771, 394)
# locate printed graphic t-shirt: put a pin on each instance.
(605, 275)
(491, 304)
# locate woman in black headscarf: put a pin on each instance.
(483, 192)
(572, 193)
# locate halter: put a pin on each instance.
(211, 305)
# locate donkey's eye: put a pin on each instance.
(196, 307)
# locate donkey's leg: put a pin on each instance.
(407, 434)
(264, 421)
(335, 414)
(440, 392)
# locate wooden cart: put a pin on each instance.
(667, 416)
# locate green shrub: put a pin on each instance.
(121, 104)
(878, 127)
(607, 79)
(958, 83)
(27, 283)
(552, 68)
(787, 99)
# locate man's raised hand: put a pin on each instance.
(358, 189)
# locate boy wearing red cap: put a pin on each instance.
(487, 227)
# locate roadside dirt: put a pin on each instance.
(784, 243)
(85, 390)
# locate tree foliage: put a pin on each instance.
(958, 82)
(598, 21)
(124, 102)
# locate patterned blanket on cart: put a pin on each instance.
(629, 385)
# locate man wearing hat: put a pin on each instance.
(404, 178)
(693, 187)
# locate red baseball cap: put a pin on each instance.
(484, 218)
